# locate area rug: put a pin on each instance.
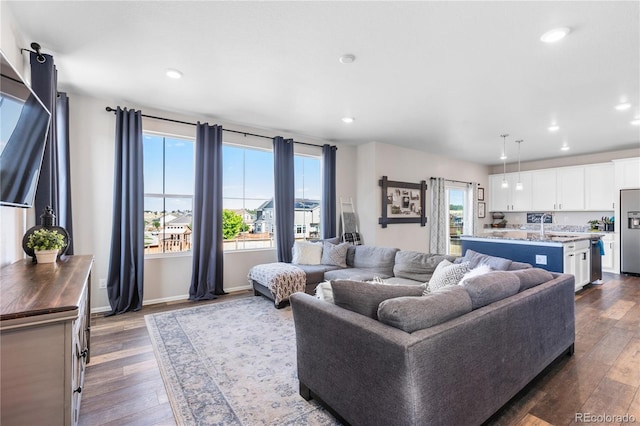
(232, 363)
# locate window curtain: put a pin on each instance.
(284, 202)
(207, 275)
(54, 187)
(328, 212)
(439, 217)
(126, 263)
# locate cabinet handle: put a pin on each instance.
(79, 389)
(554, 206)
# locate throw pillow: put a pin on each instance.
(476, 259)
(416, 313)
(307, 253)
(480, 270)
(364, 298)
(324, 292)
(335, 254)
(447, 273)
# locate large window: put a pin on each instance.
(248, 191)
(168, 193)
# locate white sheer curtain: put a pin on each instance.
(471, 212)
(439, 217)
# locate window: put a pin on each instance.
(247, 198)
(308, 190)
(168, 193)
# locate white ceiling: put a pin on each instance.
(444, 77)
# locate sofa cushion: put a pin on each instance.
(447, 273)
(475, 258)
(532, 277)
(315, 273)
(488, 288)
(417, 266)
(335, 254)
(306, 253)
(415, 313)
(404, 281)
(364, 298)
(356, 274)
(376, 259)
(516, 266)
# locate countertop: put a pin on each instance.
(554, 238)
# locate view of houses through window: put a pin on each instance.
(248, 191)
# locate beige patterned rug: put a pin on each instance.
(232, 363)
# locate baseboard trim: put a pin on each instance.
(179, 298)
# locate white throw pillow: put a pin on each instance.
(307, 253)
(324, 291)
(447, 273)
(479, 270)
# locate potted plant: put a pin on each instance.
(46, 244)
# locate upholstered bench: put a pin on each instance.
(277, 281)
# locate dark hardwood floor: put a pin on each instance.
(123, 385)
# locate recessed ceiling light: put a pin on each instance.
(623, 106)
(348, 120)
(554, 35)
(503, 156)
(636, 121)
(347, 59)
(565, 147)
(171, 73)
(554, 128)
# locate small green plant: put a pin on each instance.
(46, 239)
(594, 224)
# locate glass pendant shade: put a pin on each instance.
(519, 186)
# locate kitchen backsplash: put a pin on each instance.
(562, 221)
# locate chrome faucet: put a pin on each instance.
(544, 215)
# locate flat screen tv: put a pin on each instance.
(24, 123)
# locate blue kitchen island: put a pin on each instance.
(555, 252)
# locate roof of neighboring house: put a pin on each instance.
(300, 204)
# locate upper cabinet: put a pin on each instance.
(570, 188)
(510, 199)
(580, 188)
(599, 192)
(627, 173)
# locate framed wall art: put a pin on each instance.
(482, 210)
(480, 194)
(402, 202)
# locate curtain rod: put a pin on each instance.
(453, 180)
(109, 109)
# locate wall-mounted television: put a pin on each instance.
(24, 124)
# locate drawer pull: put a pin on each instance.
(79, 389)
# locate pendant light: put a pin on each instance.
(519, 186)
(504, 184)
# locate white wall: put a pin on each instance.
(405, 165)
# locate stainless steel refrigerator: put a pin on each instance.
(630, 231)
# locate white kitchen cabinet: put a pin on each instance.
(543, 190)
(510, 199)
(599, 192)
(570, 188)
(577, 261)
(609, 253)
(627, 173)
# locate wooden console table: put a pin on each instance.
(45, 335)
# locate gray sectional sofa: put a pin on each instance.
(452, 357)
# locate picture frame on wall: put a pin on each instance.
(402, 202)
(482, 210)
(480, 194)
